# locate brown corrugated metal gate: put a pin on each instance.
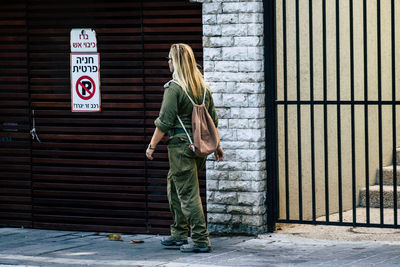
(89, 171)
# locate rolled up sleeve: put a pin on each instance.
(169, 109)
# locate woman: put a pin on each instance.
(182, 181)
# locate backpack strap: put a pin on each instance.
(190, 139)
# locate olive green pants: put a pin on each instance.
(184, 193)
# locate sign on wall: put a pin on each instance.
(83, 40)
(85, 82)
(85, 71)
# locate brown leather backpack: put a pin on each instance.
(205, 134)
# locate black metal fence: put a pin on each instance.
(332, 107)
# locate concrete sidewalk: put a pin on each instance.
(29, 247)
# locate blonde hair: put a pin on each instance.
(185, 71)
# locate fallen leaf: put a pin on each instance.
(115, 237)
(136, 241)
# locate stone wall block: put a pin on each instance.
(247, 66)
(235, 144)
(230, 209)
(212, 54)
(219, 218)
(251, 198)
(249, 175)
(250, 134)
(212, 30)
(253, 155)
(255, 53)
(251, 88)
(255, 29)
(220, 42)
(256, 220)
(212, 8)
(251, 18)
(227, 66)
(235, 100)
(210, 19)
(234, 53)
(234, 29)
(247, 41)
(217, 175)
(212, 185)
(242, 7)
(227, 18)
(228, 134)
(239, 123)
(256, 123)
(230, 166)
(216, 208)
(225, 197)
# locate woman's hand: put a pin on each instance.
(149, 152)
(219, 154)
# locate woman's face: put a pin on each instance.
(171, 67)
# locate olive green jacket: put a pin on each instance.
(175, 102)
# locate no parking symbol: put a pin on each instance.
(85, 87)
(85, 82)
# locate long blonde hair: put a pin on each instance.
(186, 72)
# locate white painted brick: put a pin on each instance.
(251, 18)
(213, 8)
(216, 208)
(227, 18)
(235, 100)
(210, 165)
(259, 210)
(220, 41)
(247, 41)
(256, 220)
(239, 209)
(223, 123)
(228, 134)
(217, 175)
(255, 53)
(224, 113)
(234, 29)
(257, 145)
(212, 30)
(242, 7)
(256, 100)
(225, 197)
(210, 19)
(224, 66)
(251, 66)
(234, 53)
(212, 54)
(256, 123)
(208, 65)
(218, 99)
(217, 87)
(230, 166)
(239, 123)
(252, 113)
(249, 87)
(221, 218)
(255, 29)
(251, 198)
(248, 175)
(212, 185)
(250, 134)
(234, 76)
(256, 166)
(235, 144)
(250, 155)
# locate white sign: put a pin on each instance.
(83, 40)
(85, 82)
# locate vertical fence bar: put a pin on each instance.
(270, 111)
(393, 29)
(353, 138)
(380, 111)
(325, 88)
(285, 106)
(299, 163)
(366, 130)
(339, 139)
(310, 16)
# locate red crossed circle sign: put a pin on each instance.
(87, 86)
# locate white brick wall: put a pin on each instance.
(233, 68)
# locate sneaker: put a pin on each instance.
(172, 242)
(195, 248)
